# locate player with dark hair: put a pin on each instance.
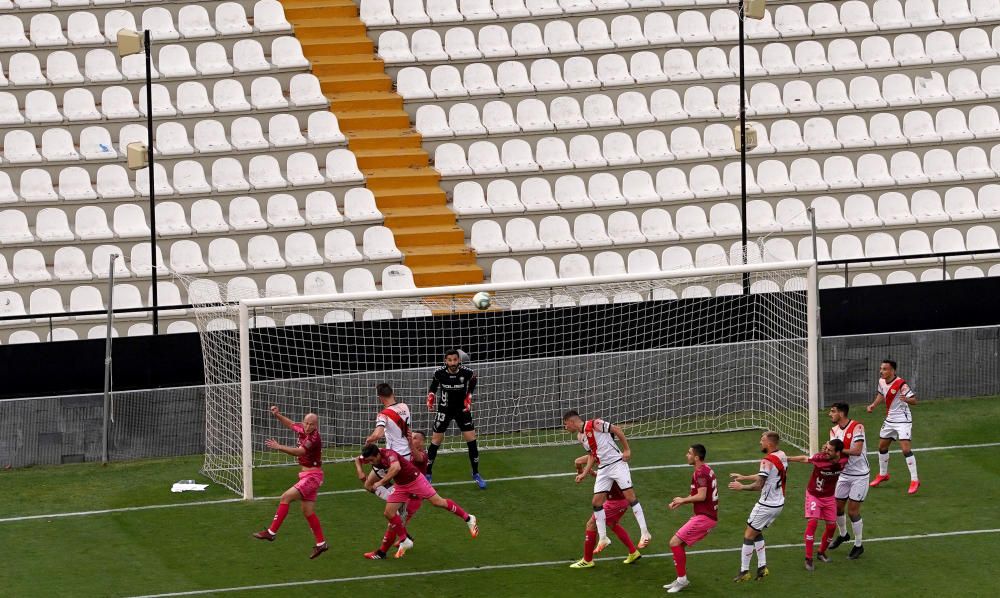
(614, 508)
(852, 487)
(771, 481)
(704, 497)
(898, 423)
(456, 383)
(392, 422)
(409, 483)
(309, 454)
(598, 439)
(419, 460)
(820, 504)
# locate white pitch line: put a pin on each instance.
(539, 476)
(384, 576)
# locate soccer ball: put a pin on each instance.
(482, 300)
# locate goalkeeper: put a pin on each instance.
(456, 384)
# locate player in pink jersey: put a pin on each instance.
(368, 480)
(309, 454)
(704, 497)
(408, 482)
(898, 397)
(614, 508)
(820, 503)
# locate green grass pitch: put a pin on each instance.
(523, 522)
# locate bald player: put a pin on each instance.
(309, 453)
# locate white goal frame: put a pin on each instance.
(246, 305)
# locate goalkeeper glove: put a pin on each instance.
(430, 401)
(468, 402)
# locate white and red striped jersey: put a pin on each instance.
(598, 440)
(772, 493)
(395, 434)
(852, 432)
(897, 411)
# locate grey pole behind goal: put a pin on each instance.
(105, 436)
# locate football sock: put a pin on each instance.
(279, 518)
(454, 508)
(680, 560)
(911, 464)
(601, 520)
(640, 518)
(810, 536)
(857, 525)
(842, 525)
(316, 527)
(883, 463)
(589, 542)
(473, 456)
(396, 524)
(623, 536)
(382, 492)
(412, 506)
(827, 536)
(431, 454)
(746, 554)
(387, 539)
(758, 545)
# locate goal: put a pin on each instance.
(661, 354)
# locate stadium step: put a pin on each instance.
(395, 157)
(426, 215)
(363, 82)
(304, 9)
(376, 139)
(373, 119)
(366, 100)
(346, 65)
(323, 27)
(379, 132)
(355, 44)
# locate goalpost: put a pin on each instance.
(661, 354)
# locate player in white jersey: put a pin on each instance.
(392, 423)
(898, 423)
(598, 439)
(770, 480)
(852, 487)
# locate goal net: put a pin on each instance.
(670, 353)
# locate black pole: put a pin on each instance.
(743, 147)
(152, 178)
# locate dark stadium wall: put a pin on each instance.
(77, 367)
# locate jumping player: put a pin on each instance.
(457, 383)
(820, 504)
(898, 423)
(770, 480)
(309, 453)
(852, 487)
(598, 438)
(704, 497)
(392, 423)
(614, 508)
(408, 481)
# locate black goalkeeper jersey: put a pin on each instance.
(454, 387)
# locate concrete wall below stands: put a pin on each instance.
(961, 362)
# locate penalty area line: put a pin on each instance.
(540, 476)
(385, 576)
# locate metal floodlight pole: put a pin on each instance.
(743, 145)
(105, 440)
(152, 178)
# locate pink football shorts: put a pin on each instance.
(309, 483)
(613, 510)
(696, 529)
(821, 507)
(419, 488)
